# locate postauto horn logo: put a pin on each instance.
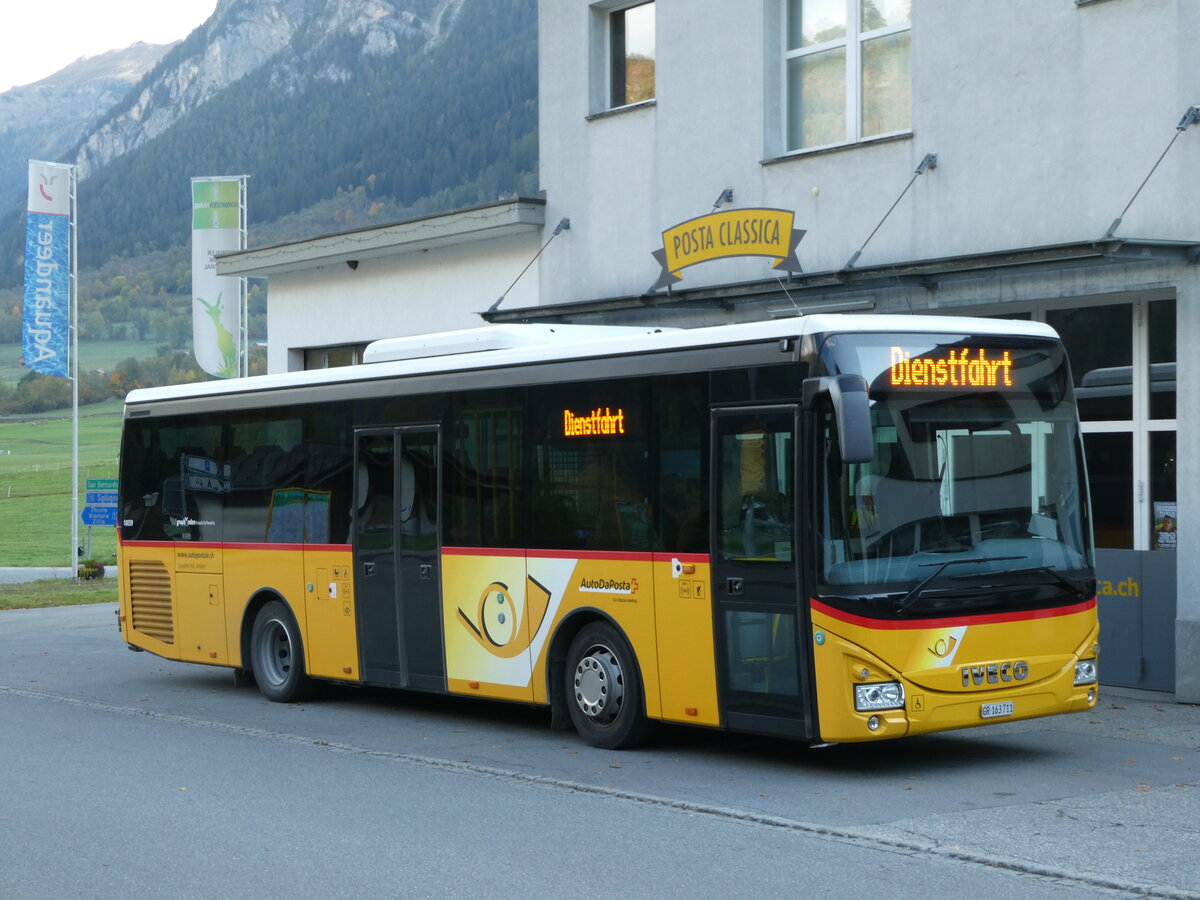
(503, 627)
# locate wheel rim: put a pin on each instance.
(599, 685)
(274, 653)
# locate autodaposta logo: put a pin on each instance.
(608, 586)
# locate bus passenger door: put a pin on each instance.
(396, 551)
(762, 657)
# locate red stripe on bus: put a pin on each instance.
(685, 557)
(618, 555)
(481, 551)
(235, 545)
(535, 553)
(952, 621)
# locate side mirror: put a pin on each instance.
(851, 412)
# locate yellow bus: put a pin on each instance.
(830, 528)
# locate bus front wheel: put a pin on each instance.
(277, 655)
(604, 690)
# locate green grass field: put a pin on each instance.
(93, 355)
(35, 484)
(56, 593)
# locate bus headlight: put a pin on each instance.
(869, 697)
(1086, 672)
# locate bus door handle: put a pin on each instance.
(368, 569)
(735, 586)
(426, 573)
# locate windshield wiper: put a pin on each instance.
(914, 594)
(1076, 589)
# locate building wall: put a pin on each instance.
(412, 293)
(1187, 626)
(1045, 117)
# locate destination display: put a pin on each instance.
(951, 367)
(936, 363)
(594, 423)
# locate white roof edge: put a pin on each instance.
(476, 223)
(646, 340)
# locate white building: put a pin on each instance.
(1028, 159)
(330, 296)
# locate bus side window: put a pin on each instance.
(682, 422)
(142, 474)
(555, 522)
(591, 466)
(482, 496)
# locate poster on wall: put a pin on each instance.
(1166, 524)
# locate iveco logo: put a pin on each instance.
(994, 673)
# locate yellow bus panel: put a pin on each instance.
(200, 613)
(950, 669)
(331, 640)
(501, 608)
(686, 649)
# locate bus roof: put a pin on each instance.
(493, 337)
(500, 347)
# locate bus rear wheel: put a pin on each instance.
(277, 655)
(604, 690)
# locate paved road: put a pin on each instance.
(129, 775)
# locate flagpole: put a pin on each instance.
(50, 322)
(73, 305)
(243, 297)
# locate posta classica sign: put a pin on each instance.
(734, 232)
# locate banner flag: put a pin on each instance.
(216, 299)
(45, 332)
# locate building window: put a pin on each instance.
(847, 71)
(1123, 362)
(333, 357)
(631, 55)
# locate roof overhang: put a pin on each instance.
(479, 223)
(826, 287)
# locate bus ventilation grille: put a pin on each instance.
(150, 600)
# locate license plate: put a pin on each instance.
(996, 710)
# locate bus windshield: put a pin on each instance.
(977, 472)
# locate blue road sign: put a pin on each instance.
(101, 498)
(99, 515)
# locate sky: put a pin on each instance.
(37, 39)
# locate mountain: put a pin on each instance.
(47, 119)
(238, 38)
(408, 106)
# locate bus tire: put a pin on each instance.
(277, 655)
(604, 689)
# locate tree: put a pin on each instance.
(93, 326)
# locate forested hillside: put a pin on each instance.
(340, 129)
(425, 128)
